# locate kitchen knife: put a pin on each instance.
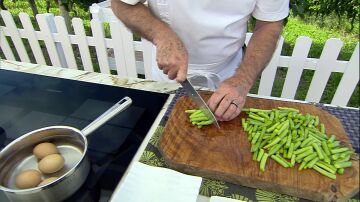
(199, 101)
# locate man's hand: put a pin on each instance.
(229, 98)
(227, 101)
(172, 57)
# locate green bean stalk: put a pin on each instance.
(289, 137)
(198, 118)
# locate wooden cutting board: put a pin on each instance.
(225, 154)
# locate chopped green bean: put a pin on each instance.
(326, 166)
(343, 164)
(261, 153)
(275, 141)
(324, 172)
(313, 162)
(285, 133)
(341, 171)
(303, 150)
(280, 161)
(325, 148)
(253, 116)
(303, 155)
(318, 151)
(291, 150)
(310, 157)
(292, 161)
(339, 150)
(263, 161)
(322, 128)
(274, 149)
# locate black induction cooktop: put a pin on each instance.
(29, 102)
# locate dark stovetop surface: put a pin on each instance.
(29, 102)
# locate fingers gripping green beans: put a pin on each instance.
(289, 137)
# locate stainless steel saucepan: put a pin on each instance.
(72, 145)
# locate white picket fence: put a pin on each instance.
(59, 45)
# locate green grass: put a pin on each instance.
(318, 29)
(319, 32)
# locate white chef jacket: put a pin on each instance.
(213, 32)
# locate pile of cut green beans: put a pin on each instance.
(289, 137)
(198, 118)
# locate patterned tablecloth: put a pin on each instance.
(210, 187)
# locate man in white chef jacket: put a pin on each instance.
(203, 40)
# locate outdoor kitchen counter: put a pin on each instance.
(346, 115)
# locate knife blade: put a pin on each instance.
(194, 95)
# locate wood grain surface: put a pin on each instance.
(224, 154)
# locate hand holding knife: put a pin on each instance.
(194, 95)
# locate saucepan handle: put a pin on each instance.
(107, 115)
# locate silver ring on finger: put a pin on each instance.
(236, 105)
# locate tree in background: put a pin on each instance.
(33, 7)
(341, 8)
(2, 6)
(66, 6)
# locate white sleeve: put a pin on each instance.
(271, 10)
(132, 2)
